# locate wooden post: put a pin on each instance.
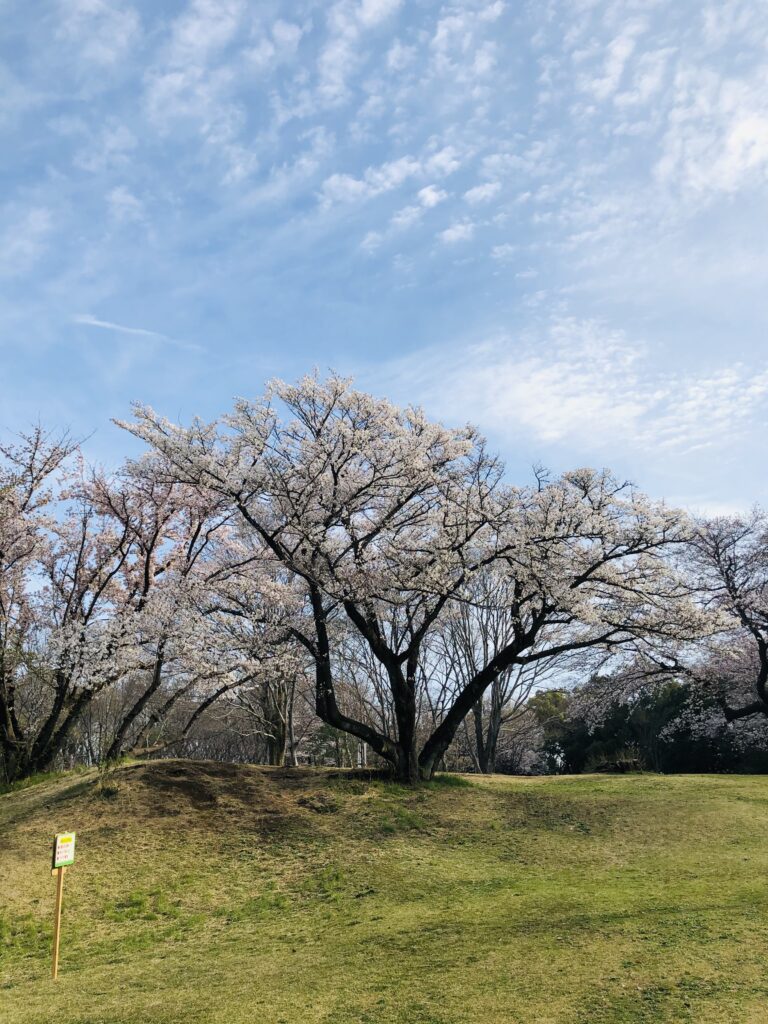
(57, 920)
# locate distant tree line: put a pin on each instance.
(323, 577)
(660, 731)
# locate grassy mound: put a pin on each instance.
(228, 894)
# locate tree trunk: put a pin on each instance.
(326, 706)
(274, 710)
(116, 747)
(15, 762)
(491, 744)
(291, 730)
(483, 753)
(14, 749)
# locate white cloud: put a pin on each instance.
(138, 332)
(444, 162)
(124, 207)
(103, 31)
(373, 12)
(648, 76)
(453, 31)
(399, 56)
(406, 218)
(485, 59)
(717, 138)
(492, 12)
(24, 238)
(292, 178)
(372, 241)
(344, 188)
(110, 148)
(204, 29)
(431, 196)
(482, 193)
(504, 253)
(196, 86)
(343, 51)
(589, 387)
(726, 20)
(619, 50)
(462, 232)
(376, 180)
(276, 47)
(534, 159)
(391, 174)
(286, 35)
(460, 51)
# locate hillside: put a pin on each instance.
(219, 893)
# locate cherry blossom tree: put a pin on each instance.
(60, 582)
(103, 583)
(174, 534)
(729, 567)
(256, 609)
(385, 518)
(28, 469)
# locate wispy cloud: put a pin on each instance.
(605, 161)
(581, 384)
(103, 31)
(138, 332)
(125, 207)
(379, 179)
(717, 138)
(343, 51)
(24, 237)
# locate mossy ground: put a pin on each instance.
(229, 894)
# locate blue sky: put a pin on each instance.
(548, 218)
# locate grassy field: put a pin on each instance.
(228, 894)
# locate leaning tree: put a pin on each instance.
(385, 518)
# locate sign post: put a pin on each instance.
(63, 857)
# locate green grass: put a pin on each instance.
(36, 780)
(226, 894)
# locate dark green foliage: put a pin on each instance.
(638, 736)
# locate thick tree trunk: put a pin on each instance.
(408, 769)
(404, 693)
(274, 709)
(276, 744)
(12, 741)
(326, 707)
(15, 764)
(50, 741)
